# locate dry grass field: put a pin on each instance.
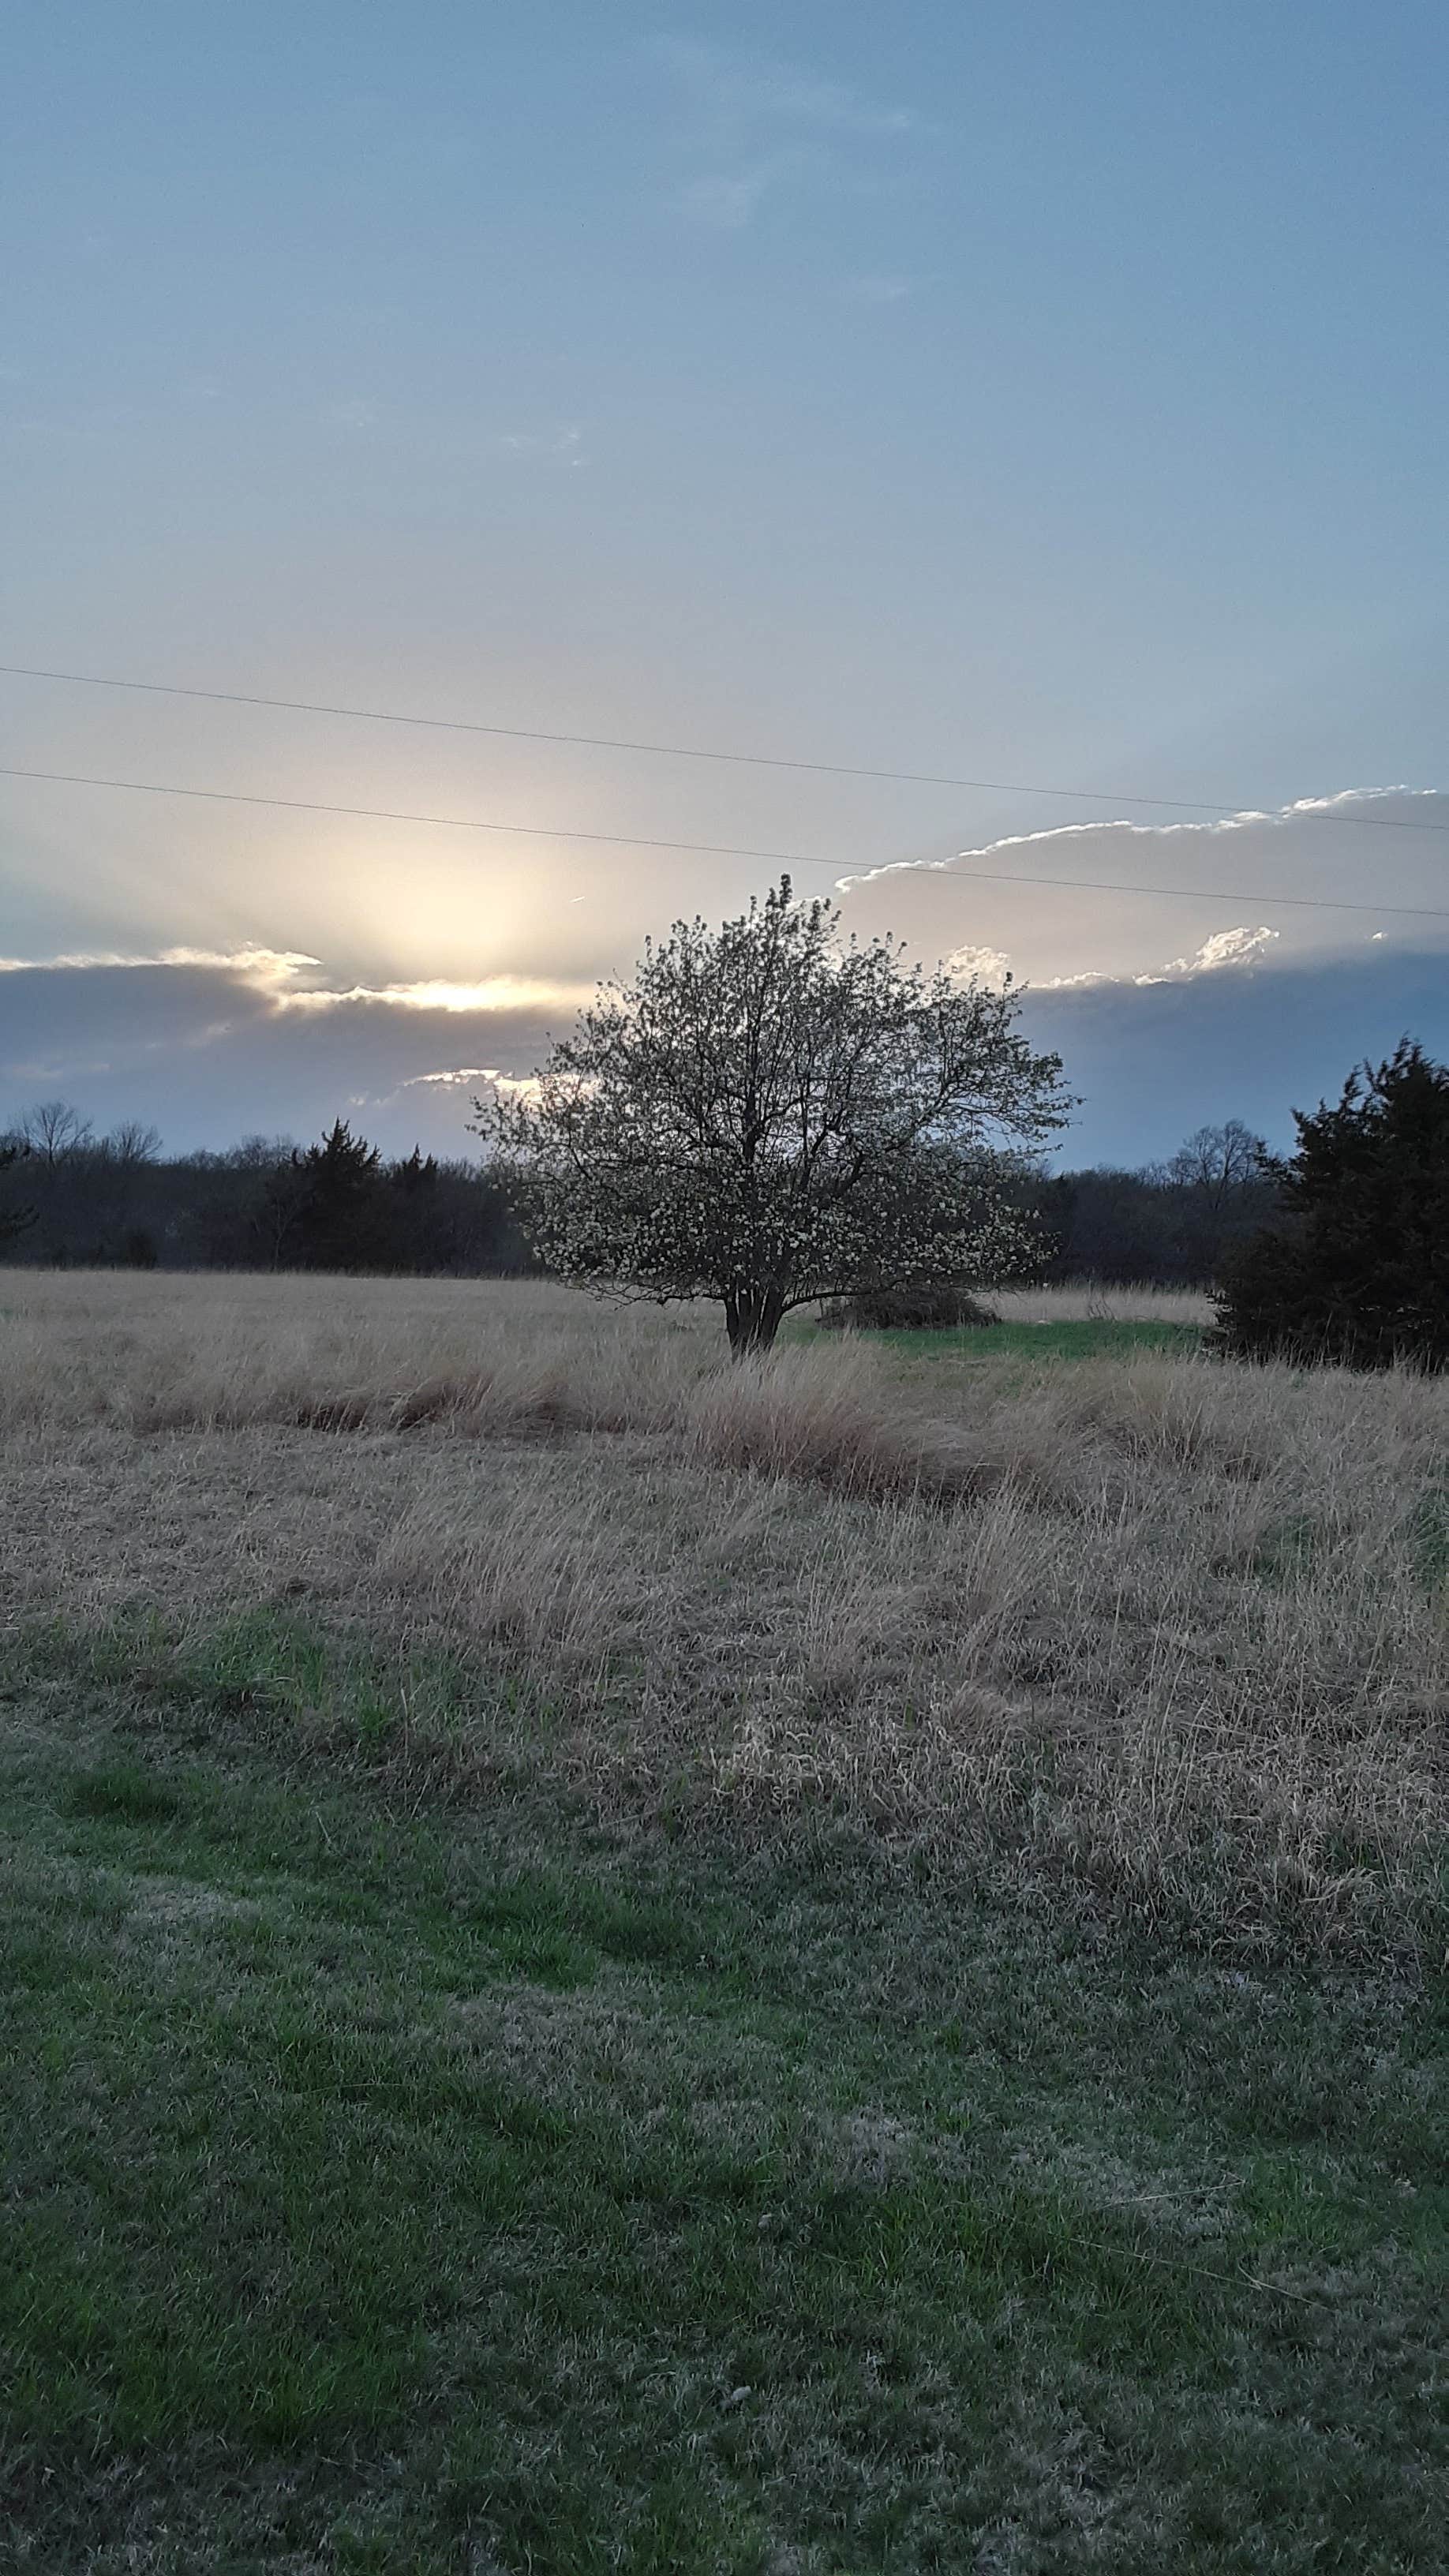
(620, 1962)
(1172, 1629)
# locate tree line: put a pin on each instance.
(72, 1198)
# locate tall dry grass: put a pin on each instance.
(192, 1352)
(1088, 1302)
(1172, 1630)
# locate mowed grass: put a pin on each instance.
(617, 1964)
(400, 2180)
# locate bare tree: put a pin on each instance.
(1214, 1161)
(767, 1118)
(131, 1144)
(54, 1131)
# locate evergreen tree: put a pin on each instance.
(1356, 1268)
(340, 1217)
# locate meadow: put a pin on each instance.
(619, 1962)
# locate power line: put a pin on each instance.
(686, 751)
(444, 822)
(723, 849)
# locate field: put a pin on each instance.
(618, 1963)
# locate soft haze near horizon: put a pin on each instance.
(1029, 393)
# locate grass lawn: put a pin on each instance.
(403, 2180)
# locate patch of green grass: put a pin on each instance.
(407, 2184)
(122, 1790)
(1085, 1339)
(1285, 1553)
(1431, 1534)
(270, 1663)
(1081, 1339)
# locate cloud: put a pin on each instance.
(208, 1044)
(1154, 1059)
(733, 93)
(1088, 902)
(555, 446)
(432, 993)
(1166, 1017)
(979, 966)
(473, 1078)
(728, 203)
(762, 123)
(1240, 947)
(1224, 948)
(269, 969)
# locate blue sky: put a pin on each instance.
(1035, 393)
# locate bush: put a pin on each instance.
(1356, 1269)
(910, 1310)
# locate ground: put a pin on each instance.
(619, 1965)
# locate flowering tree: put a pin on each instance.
(766, 1117)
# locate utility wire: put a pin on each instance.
(724, 849)
(685, 751)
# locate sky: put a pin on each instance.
(1034, 394)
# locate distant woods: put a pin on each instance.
(1171, 1224)
(69, 1196)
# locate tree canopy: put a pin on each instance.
(1356, 1266)
(766, 1117)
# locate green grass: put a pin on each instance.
(405, 2178)
(1103, 1338)
(1083, 1340)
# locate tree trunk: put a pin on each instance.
(752, 1319)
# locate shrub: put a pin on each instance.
(914, 1310)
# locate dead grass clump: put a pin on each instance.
(824, 1417)
(555, 1586)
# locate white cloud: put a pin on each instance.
(467, 1077)
(280, 980)
(979, 966)
(761, 123)
(1085, 902)
(734, 91)
(454, 1075)
(272, 968)
(1223, 948)
(1241, 947)
(435, 993)
(559, 445)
